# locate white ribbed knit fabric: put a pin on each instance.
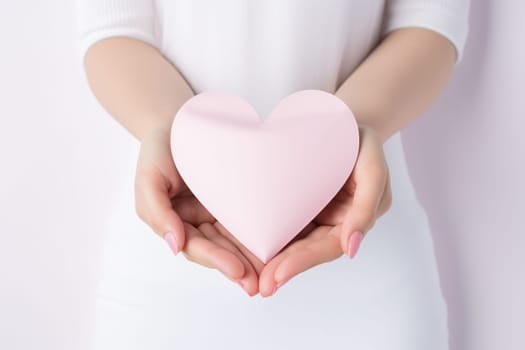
(388, 297)
(447, 17)
(102, 18)
(98, 19)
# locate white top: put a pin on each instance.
(387, 298)
(264, 50)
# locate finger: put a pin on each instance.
(363, 210)
(322, 245)
(386, 200)
(153, 206)
(302, 234)
(361, 216)
(315, 251)
(190, 210)
(254, 261)
(333, 214)
(201, 250)
(250, 280)
(267, 281)
(266, 276)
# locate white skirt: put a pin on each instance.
(387, 297)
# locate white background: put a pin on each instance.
(60, 158)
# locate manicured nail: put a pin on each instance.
(169, 237)
(353, 243)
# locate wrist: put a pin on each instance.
(158, 131)
(160, 122)
(379, 132)
(366, 118)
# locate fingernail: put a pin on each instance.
(278, 285)
(169, 237)
(353, 243)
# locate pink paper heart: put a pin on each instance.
(265, 180)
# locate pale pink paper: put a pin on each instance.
(265, 179)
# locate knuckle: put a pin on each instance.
(388, 201)
(384, 207)
(370, 226)
(139, 207)
(143, 214)
(367, 217)
(143, 211)
(377, 173)
(375, 168)
(388, 197)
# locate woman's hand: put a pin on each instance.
(340, 226)
(164, 202)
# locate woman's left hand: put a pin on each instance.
(340, 226)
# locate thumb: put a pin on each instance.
(362, 213)
(153, 205)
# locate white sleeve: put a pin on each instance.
(99, 19)
(446, 17)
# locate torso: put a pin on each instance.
(265, 50)
(387, 298)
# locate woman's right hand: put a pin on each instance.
(164, 202)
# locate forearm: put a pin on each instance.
(135, 83)
(399, 79)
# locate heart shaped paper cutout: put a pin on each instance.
(264, 180)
